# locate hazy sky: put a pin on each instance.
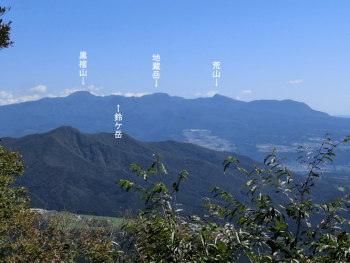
(267, 49)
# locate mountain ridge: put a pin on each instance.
(218, 123)
(70, 170)
(57, 171)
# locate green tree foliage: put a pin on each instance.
(160, 234)
(5, 30)
(289, 226)
(31, 237)
(26, 236)
(280, 224)
(12, 199)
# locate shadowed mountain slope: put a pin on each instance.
(67, 169)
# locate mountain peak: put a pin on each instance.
(65, 129)
(222, 97)
(81, 94)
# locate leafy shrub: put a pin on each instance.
(280, 224)
(283, 228)
(27, 236)
(160, 234)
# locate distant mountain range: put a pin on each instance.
(67, 169)
(220, 123)
(342, 116)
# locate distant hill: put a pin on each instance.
(220, 123)
(67, 169)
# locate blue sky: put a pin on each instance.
(267, 49)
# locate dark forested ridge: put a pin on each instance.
(219, 123)
(67, 169)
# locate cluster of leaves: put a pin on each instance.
(11, 199)
(30, 237)
(289, 226)
(27, 236)
(160, 234)
(286, 226)
(5, 30)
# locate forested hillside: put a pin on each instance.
(68, 169)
